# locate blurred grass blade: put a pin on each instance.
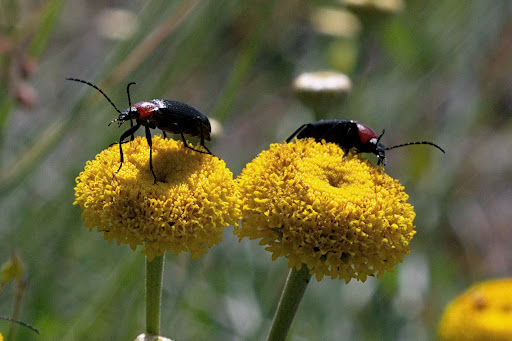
(153, 40)
(14, 171)
(49, 16)
(5, 108)
(243, 64)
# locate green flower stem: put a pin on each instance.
(154, 271)
(290, 298)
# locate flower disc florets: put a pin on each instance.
(483, 312)
(341, 217)
(194, 199)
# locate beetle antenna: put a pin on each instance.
(128, 92)
(101, 91)
(378, 139)
(419, 142)
(130, 105)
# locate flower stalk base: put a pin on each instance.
(294, 289)
(154, 272)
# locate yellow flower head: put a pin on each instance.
(194, 199)
(342, 218)
(483, 312)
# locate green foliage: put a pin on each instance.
(438, 71)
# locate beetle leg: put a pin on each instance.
(209, 152)
(296, 132)
(131, 126)
(186, 144)
(127, 133)
(202, 141)
(345, 152)
(113, 143)
(150, 143)
(164, 134)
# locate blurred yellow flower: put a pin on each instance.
(342, 218)
(483, 312)
(194, 199)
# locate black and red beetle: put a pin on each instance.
(167, 115)
(350, 134)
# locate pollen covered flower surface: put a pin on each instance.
(194, 199)
(483, 312)
(342, 218)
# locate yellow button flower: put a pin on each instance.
(342, 218)
(194, 199)
(483, 312)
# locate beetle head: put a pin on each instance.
(126, 115)
(379, 149)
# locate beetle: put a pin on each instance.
(350, 134)
(167, 115)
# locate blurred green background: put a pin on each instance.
(437, 70)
